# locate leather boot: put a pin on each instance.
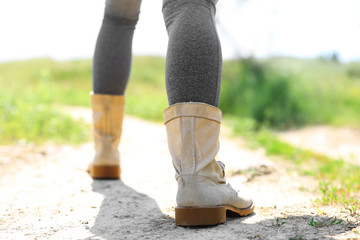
(203, 197)
(108, 114)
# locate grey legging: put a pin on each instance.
(193, 61)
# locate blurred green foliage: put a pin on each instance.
(29, 93)
(31, 117)
(284, 93)
(279, 93)
(32, 92)
(252, 89)
(146, 93)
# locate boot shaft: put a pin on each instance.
(108, 114)
(193, 137)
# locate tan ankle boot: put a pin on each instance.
(203, 196)
(108, 114)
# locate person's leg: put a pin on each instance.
(194, 60)
(193, 76)
(113, 51)
(111, 70)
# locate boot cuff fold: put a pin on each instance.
(107, 98)
(192, 109)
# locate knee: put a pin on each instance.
(122, 12)
(188, 9)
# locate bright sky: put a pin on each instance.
(67, 29)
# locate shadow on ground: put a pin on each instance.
(128, 214)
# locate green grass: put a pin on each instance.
(279, 92)
(29, 95)
(61, 82)
(31, 118)
(146, 94)
(31, 91)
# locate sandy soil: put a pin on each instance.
(46, 194)
(342, 142)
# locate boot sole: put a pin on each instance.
(104, 172)
(207, 216)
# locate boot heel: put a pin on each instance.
(105, 172)
(204, 216)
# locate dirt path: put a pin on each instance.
(342, 142)
(46, 194)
